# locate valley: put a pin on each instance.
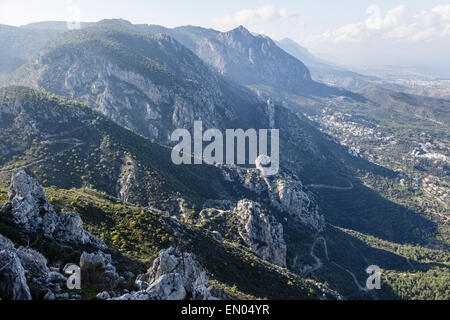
(363, 175)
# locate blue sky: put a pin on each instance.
(359, 32)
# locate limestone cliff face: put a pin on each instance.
(24, 273)
(282, 191)
(29, 205)
(158, 87)
(290, 196)
(13, 284)
(262, 233)
(31, 210)
(154, 84)
(242, 56)
(174, 275)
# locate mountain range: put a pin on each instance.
(88, 114)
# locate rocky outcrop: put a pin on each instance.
(33, 262)
(244, 57)
(13, 283)
(5, 243)
(180, 270)
(24, 275)
(168, 287)
(290, 196)
(30, 207)
(283, 191)
(31, 210)
(127, 179)
(24, 272)
(174, 276)
(20, 269)
(185, 264)
(262, 233)
(69, 229)
(149, 102)
(98, 272)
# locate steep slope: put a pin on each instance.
(151, 232)
(68, 145)
(151, 84)
(252, 60)
(311, 157)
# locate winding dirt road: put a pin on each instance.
(319, 263)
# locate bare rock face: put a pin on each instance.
(128, 96)
(5, 243)
(245, 58)
(94, 259)
(263, 234)
(165, 263)
(13, 283)
(169, 287)
(70, 230)
(285, 192)
(171, 261)
(33, 262)
(30, 207)
(291, 197)
(174, 276)
(33, 212)
(97, 271)
(24, 274)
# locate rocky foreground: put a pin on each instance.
(25, 274)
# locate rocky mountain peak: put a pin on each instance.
(262, 232)
(241, 30)
(247, 58)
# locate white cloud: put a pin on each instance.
(392, 18)
(251, 17)
(443, 11)
(397, 24)
(16, 13)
